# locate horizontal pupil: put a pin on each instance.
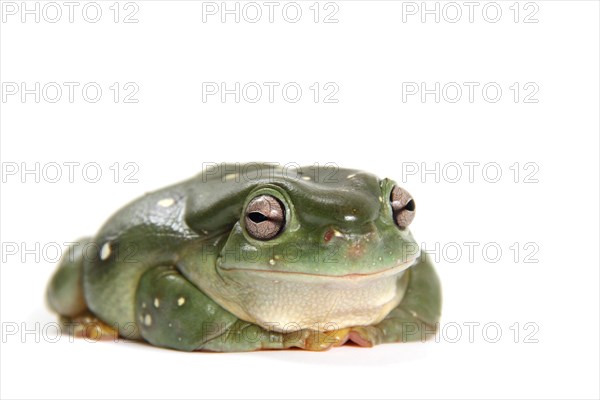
(257, 217)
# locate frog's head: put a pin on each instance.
(347, 226)
(308, 249)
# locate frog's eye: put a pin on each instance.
(403, 207)
(265, 217)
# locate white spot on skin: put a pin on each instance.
(179, 339)
(337, 233)
(306, 178)
(351, 176)
(181, 301)
(147, 320)
(272, 262)
(349, 218)
(105, 251)
(380, 199)
(143, 305)
(156, 302)
(166, 202)
(170, 325)
(230, 177)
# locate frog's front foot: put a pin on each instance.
(317, 340)
(364, 336)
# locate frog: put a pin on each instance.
(254, 256)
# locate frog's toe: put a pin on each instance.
(88, 326)
(365, 336)
(320, 341)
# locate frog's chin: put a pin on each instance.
(289, 301)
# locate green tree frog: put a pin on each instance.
(245, 257)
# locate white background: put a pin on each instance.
(368, 54)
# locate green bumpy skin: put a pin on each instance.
(182, 267)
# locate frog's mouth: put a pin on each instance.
(352, 278)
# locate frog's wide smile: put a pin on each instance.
(352, 277)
